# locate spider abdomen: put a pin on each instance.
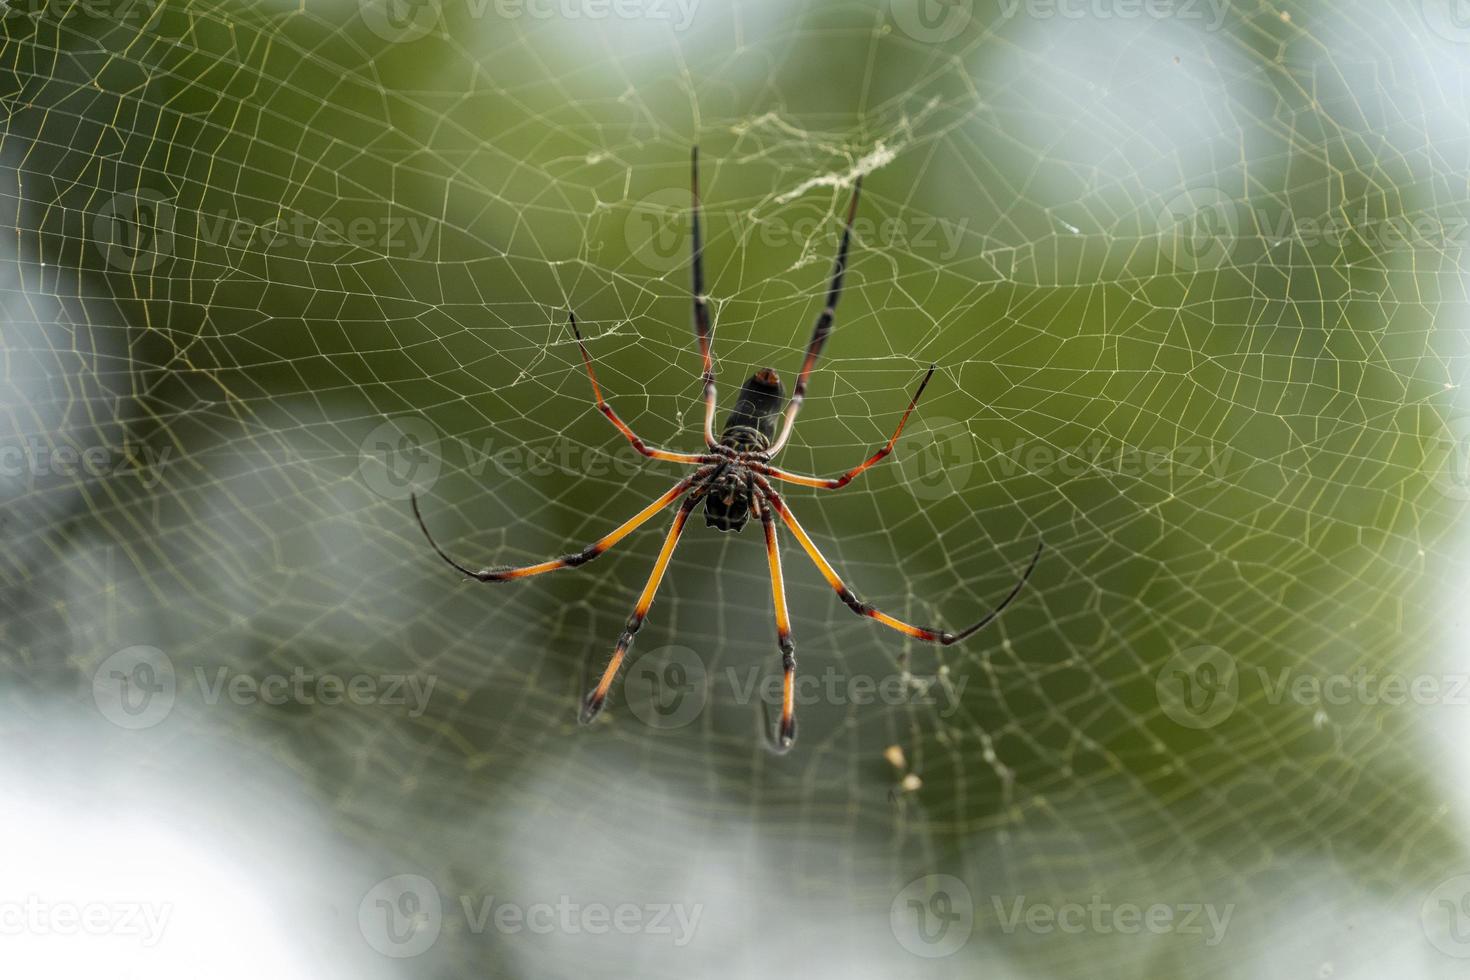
(752, 425)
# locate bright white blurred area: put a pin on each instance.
(166, 859)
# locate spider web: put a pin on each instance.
(276, 263)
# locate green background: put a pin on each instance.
(1178, 337)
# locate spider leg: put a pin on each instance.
(588, 553)
(927, 633)
(595, 698)
(702, 329)
(846, 478)
(823, 327)
(653, 452)
(786, 733)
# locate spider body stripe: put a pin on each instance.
(731, 480)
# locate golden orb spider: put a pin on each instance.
(733, 478)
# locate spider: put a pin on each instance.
(732, 478)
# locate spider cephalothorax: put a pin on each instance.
(733, 478)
